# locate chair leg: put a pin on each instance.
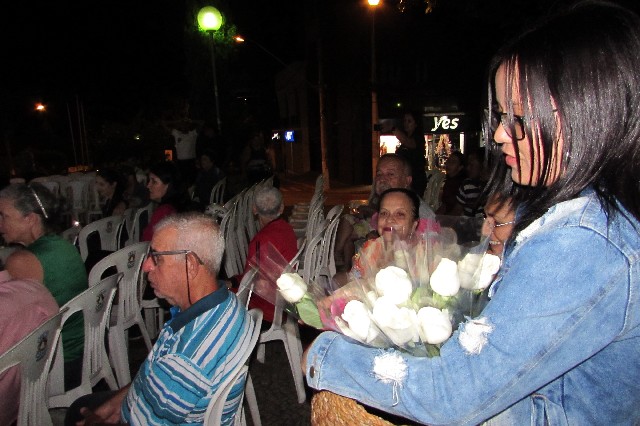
(293, 346)
(252, 402)
(260, 353)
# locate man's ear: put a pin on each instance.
(192, 265)
(408, 180)
(281, 210)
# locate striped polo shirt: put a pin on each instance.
(195, 352)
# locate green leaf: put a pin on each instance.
(308, 312)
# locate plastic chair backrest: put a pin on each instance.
(232, 259)
(140, 221)
(220, 399)
(432, 192)
(108, 229)
(312, 255)
(217, 192)
(34, 353)
(95, 304)
(327, 265)
(128, 216)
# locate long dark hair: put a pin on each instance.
(169, 174)
(586, 59)
(111, 176)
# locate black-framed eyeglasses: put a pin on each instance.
(155, 255)
(512, 123)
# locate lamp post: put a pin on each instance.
(210, 20)
(375, 134)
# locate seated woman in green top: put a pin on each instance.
(27, 213)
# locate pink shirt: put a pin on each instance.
(24, 305)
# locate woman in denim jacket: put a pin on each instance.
(559, 341)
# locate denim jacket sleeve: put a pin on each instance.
(563, 296)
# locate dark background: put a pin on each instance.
(110, 72)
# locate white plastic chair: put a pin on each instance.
(95, 304)
(51, 185)
(312, 255)
(140, 221)
(75, 191)
(327, 267)
(34, 353)
(288, 333)
(108, 229)
(215, 409)
(128, 216)
(432, 192)
(127, 312)
(217, 192)
(232, 260)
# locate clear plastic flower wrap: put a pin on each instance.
(408, 294)
(420, 288)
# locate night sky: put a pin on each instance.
(119, 58)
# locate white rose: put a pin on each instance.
(490, 267)
(434, 325)
(394, 283)
(467, 268)
(477, 270)
(356, 315)
(445, 280)
(292, 287)
(399, 324)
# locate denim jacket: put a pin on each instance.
(561, 339)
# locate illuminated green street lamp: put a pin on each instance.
(210, 20)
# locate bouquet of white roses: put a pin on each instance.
(419, 289)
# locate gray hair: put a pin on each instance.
(33, 198)
(199, 233)
(268, 201)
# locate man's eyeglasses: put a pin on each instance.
(155, 255)
(511, 123)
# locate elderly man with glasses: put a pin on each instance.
(195, 351)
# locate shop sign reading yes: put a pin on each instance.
(445, 123)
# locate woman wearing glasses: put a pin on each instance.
(28, 214)
(559, 341)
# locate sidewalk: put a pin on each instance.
(299, 189)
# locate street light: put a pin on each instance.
(375, 134)
(210, 20)
(240, 39)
